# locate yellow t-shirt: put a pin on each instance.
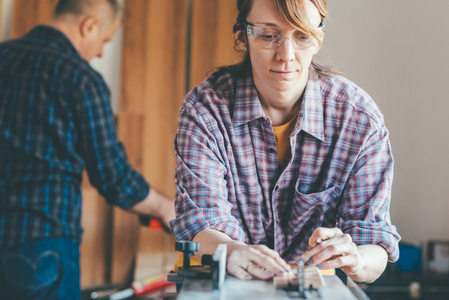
(282, 134)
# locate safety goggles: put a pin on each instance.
(272, 38)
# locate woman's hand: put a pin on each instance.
(243, 261)
(246, 262)
(331, 249)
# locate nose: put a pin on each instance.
(286, 51)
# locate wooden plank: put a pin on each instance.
(212, 43)
(133, 57)
(153, 85)
(29, 13)
(126, 225)
(96, 220)
(165, 89)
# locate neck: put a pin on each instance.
(281, 106)
(282, 114)
(68, 25)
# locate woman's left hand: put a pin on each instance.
(331, 249)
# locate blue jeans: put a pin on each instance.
(41, 269)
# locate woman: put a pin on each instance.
(283, 159)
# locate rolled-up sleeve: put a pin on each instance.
(201, 186)
(106, 162)
(364, 211)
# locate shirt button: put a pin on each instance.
(271, 150)
(276, 188)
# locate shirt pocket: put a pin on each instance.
(312, 210)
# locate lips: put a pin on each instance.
(283, 74)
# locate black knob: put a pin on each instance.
(187, 248)
(206, 260)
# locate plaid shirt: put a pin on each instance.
(228, 177)
(55, 120)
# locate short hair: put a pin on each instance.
(76, 7)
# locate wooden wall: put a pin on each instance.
(212, 39)
(29, 13)
(153, 80)
(159, 65)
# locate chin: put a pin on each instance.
(284, 85)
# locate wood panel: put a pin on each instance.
(153, 85)
(95, 248)
(212, 39)
(29, 13)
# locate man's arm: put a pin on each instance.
(156, 205)
(105, 158)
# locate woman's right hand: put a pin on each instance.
(248, 261)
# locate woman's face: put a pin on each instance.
(283, 69)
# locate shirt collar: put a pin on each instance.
(311, 117)
(55, 38)
(247, 107)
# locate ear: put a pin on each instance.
(89, 25)
(240, 40)
(318, 47)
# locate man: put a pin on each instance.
(56, 120)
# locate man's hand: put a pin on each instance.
(156, 206)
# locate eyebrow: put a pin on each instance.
(276, 26)
(266, 24)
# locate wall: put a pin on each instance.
(398, 52)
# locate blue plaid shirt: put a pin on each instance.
(55, 121)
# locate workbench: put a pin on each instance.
(235, 289)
